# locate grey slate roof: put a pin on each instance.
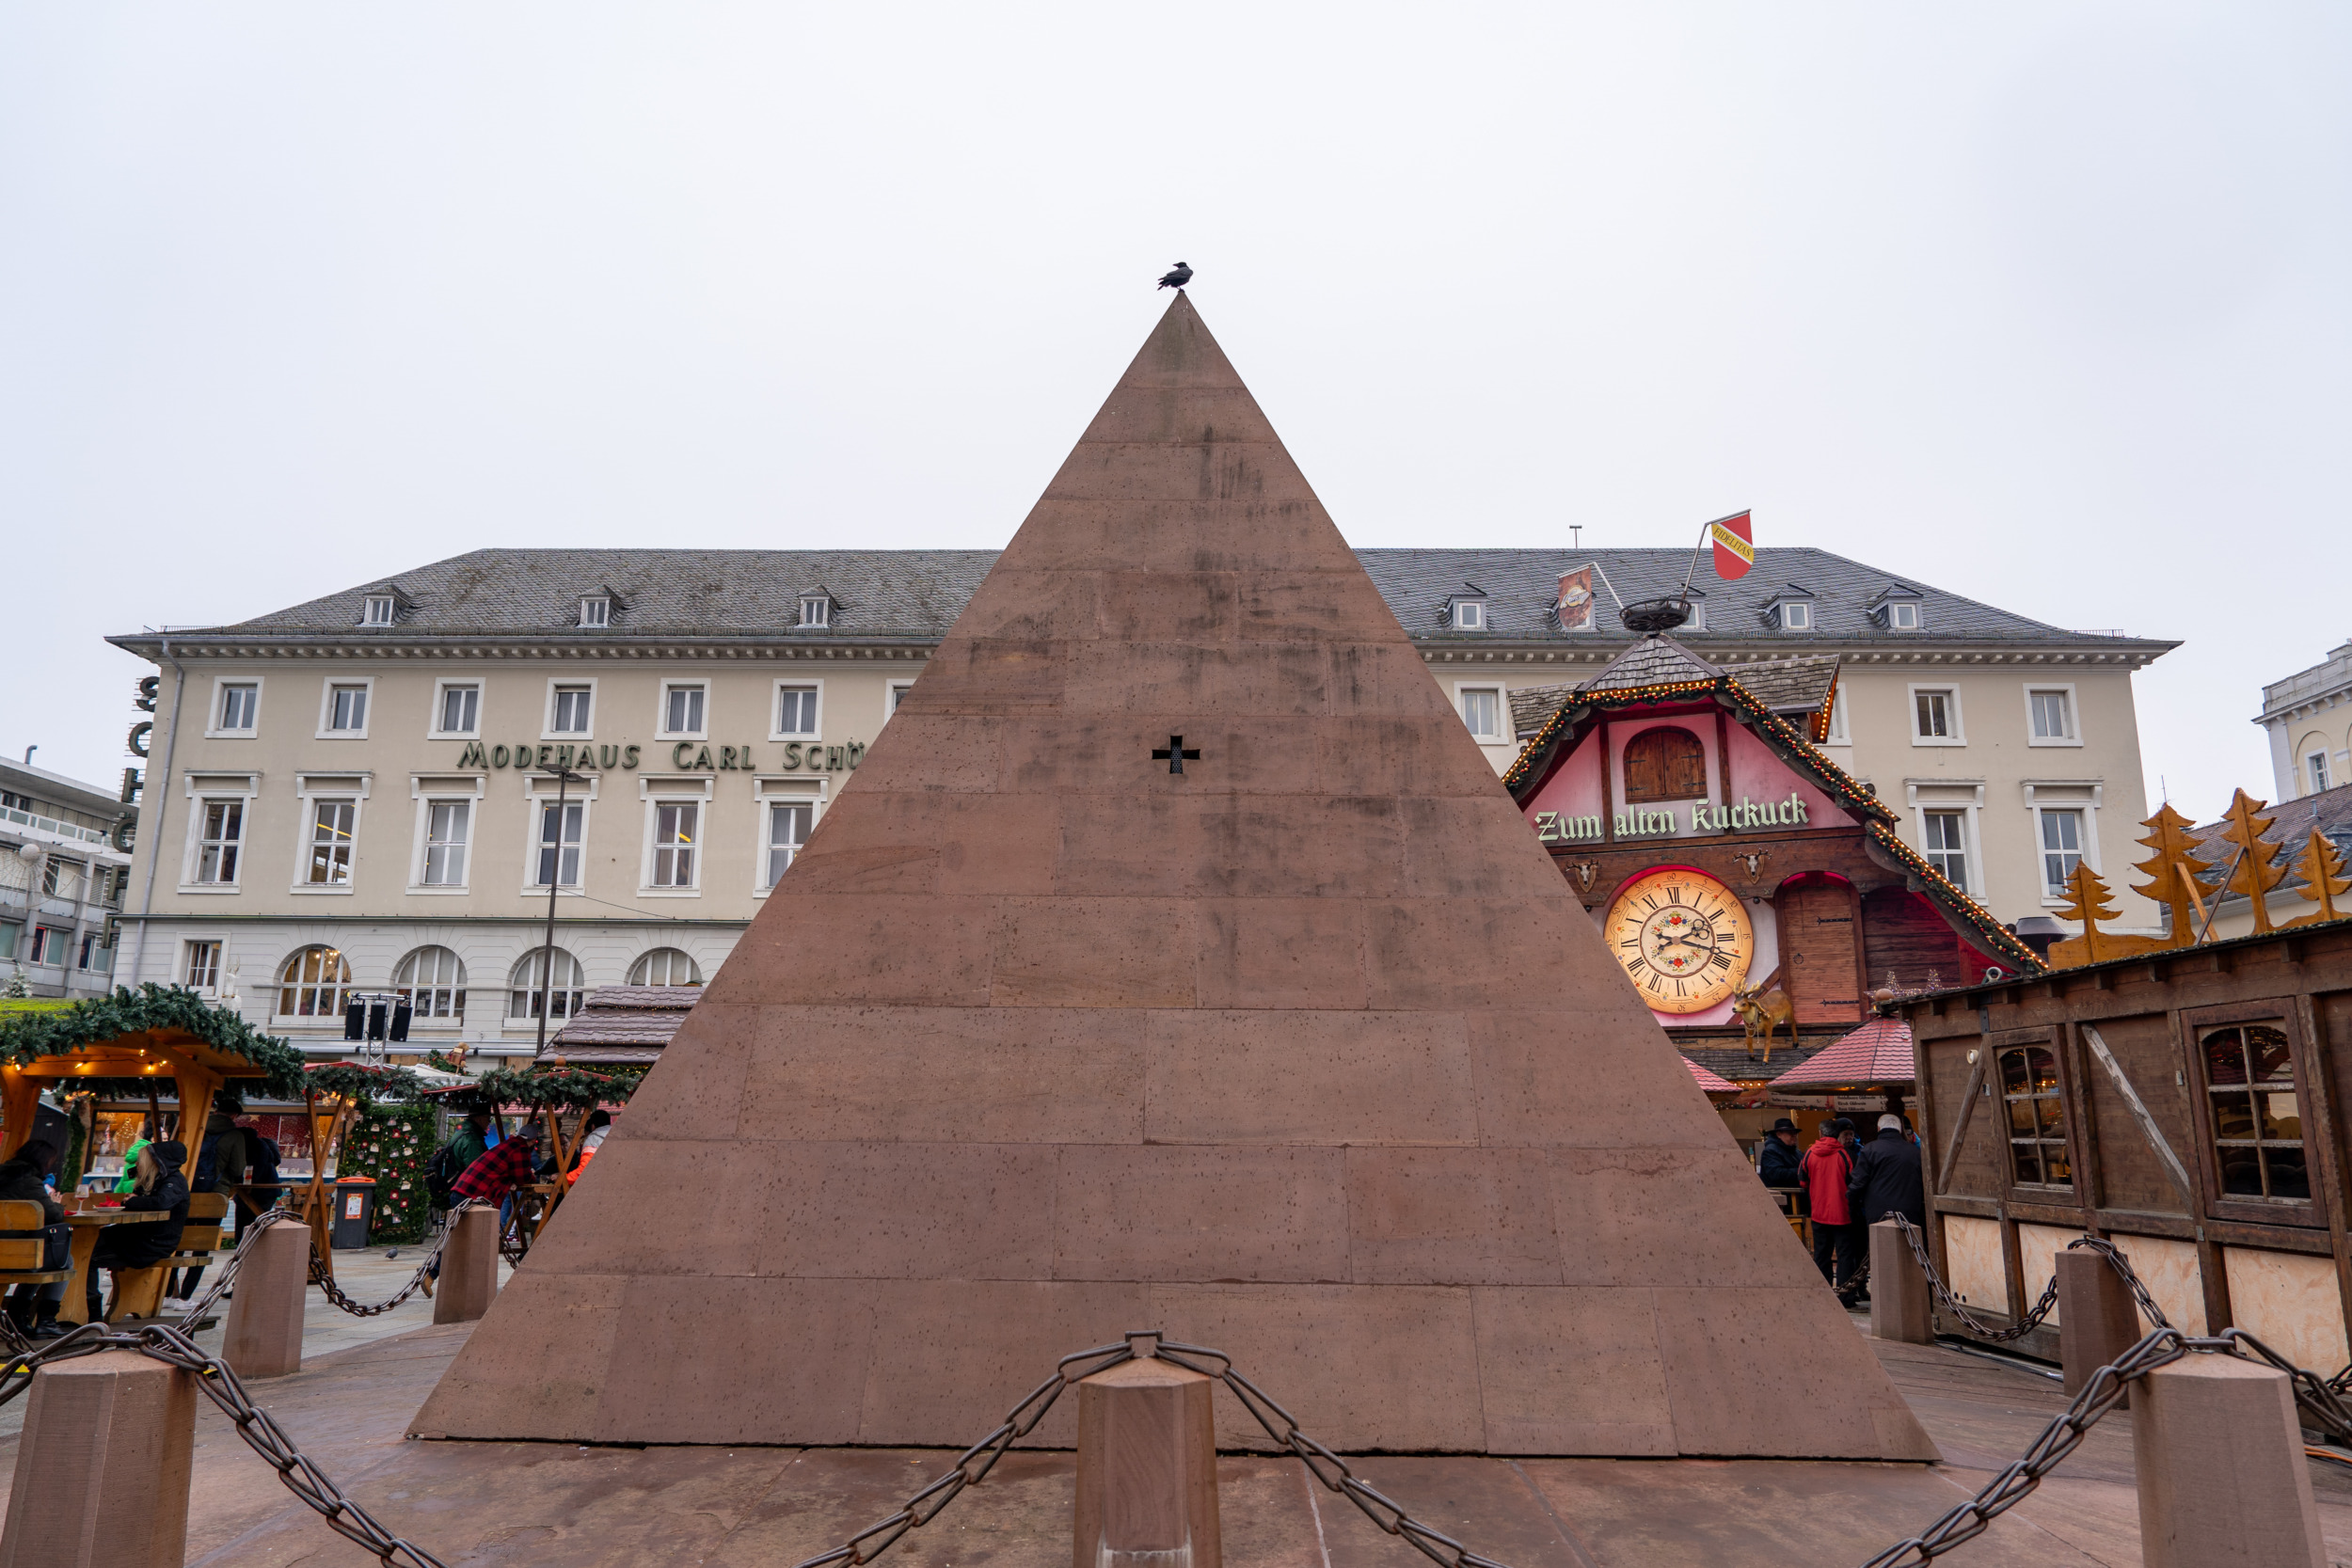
(1789, 685)
(2292, 821)
(918, 594)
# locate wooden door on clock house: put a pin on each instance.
(1818, 956)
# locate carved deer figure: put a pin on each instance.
(1767, 1010)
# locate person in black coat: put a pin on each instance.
(1886, 1178)
(160, 1184)
(25, 1180)
(1780, 1162)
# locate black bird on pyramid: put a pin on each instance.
(1176, 280)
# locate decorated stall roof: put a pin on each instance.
(1878, 1052)
(1713, 1083)
(126, 1041)
(1798, 689)
(1657, 671)
(625, 1025)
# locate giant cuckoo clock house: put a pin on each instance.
(1745, 882)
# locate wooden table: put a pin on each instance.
(85, 1227)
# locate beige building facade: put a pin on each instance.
(359, 796)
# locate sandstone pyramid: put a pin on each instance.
(1306, 1051)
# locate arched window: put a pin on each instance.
(1664, 764)
(530, 972)
(665, 966)
(433, 981)
(2036, 1117)
(313, 982)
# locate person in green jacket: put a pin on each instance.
(130, 1181)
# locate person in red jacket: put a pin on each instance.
(1835, 1238)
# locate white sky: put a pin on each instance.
(2045, 304)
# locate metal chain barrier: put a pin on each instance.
(334, 1292)
(203, 1304)
(169, 1344)
(2040, 1308)
(1324, 1466)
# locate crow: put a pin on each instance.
(1176, 280)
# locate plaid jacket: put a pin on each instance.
(496, 1173)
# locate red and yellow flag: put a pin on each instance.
(1735, 549)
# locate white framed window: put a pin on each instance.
(49, 945)
(344, 709)
(1796, 615)
(313, 982)
(378, 609)
(199, 966)
(682, 716)
(562, 982)
(1903, 615)
(448, 835)
(2315, 770)
(1470, 615)
(677, 834)
(816, 611)
(562, 826)
(788, 826)
(2062, 841)
(236, 712)
(1482, 709)
(62, 877)
(1698, 615)
(796, 712)
(1935, 717)
(571, 709)
(432, 981)
(596, 611)
(457, 709)
(332, 827)
(2050, 716)
(895, 694)
(220, 841)
(1840, 732)
(665, 966)
(1944, 842)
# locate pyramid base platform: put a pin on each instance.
(496, 1504)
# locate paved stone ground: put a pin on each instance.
(478, 1504)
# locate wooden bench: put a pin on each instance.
(24, 1245)
(139, 1293)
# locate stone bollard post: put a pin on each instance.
(102, 1466)
(470, 1268)
(2223, 1482)
(2098, 1319)
(1146, 1469)
(1898, 1291)
(263, 1337)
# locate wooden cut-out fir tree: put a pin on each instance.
(2256, 871)
(2176, 873)
(2321, 866)
(2086, 901)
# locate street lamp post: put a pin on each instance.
(565, 779)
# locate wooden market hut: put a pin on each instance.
(2190, 1101)
(131, 1041)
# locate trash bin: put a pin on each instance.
(354, 1210)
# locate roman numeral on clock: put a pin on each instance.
(1719, 960)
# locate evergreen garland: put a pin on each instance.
(391, 1142)
(26, 1038)
(564, 1088)
(365, 1085)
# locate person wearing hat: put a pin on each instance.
(1778, 1161)
(156, 1184)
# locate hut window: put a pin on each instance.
(1666, 764)
(2257, 1124)
(2036, 1117)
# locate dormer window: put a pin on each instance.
(1466, 611)
(1796, 615)
(1790, 609)
(596, 610)
(1698, 615)
(816, 611)
(1903, 615)
(1896, 608)
(377, 609)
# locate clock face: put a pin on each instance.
(1683, 937)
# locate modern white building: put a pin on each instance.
(357, 794)
(2308, 717)
(62, 875)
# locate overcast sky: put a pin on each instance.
(2043, 304)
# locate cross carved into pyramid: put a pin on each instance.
(1316, 1059)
